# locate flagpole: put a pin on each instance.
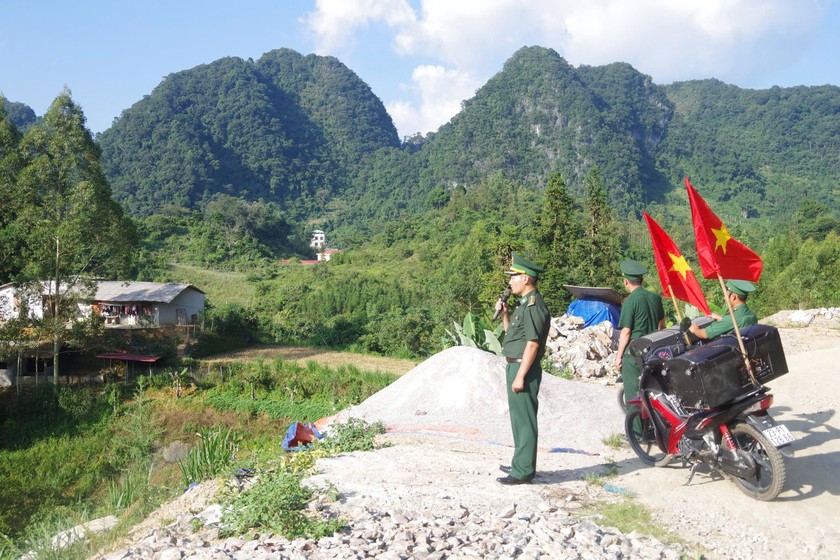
(738, 333)
(674, 299)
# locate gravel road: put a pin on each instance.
(449, 426)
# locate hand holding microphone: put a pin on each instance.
(503, 299)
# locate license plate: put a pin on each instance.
(779, 435)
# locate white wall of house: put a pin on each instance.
(10, 300)
(181, 310)
(319, 239)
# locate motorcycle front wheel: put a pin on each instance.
(639, 432)
(770, 474)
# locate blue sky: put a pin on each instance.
(420, 57)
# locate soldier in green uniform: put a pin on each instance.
(641, 314)
(526, 331)
(736, 293)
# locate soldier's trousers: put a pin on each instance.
(630, 374)
(523, 420)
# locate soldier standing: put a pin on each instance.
(641, 314)
(526, 331)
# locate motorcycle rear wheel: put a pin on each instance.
(770, 475)
(622, 400)
(639, 432)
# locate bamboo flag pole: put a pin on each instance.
(674, 299)
(738, 333)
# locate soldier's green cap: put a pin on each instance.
(524, 266)
(632, 270)
(740, 287)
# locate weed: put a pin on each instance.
(275, 503)
(122, 492)
(212, 455)
(628, 515)
(610, 470)
(353, 435)
(614, 440)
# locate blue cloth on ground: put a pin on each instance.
(594, 311)
(300, 436)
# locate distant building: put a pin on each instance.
(319, 239)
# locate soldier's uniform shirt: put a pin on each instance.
(743, 317)
(641, 313)
(529, 321)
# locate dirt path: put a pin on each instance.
(458, 467)
(802, 521)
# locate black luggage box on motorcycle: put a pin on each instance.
(705, 376)
(714, 373)
(767, 357)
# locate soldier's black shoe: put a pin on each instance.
(504, 468)
(510, 481)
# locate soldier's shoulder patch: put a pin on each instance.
(532, 300)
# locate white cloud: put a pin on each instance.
(439, 92)
(738, 41)
(335, 21)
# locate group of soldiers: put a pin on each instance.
(526, 330)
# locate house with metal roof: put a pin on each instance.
(148, 303)
(118, 302)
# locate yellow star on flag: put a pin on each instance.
(679, 265)
(722, 237)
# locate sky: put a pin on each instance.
(422, 58)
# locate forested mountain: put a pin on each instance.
(307, 133)
(21, 114)
(539, 114)
(286, 128)
(763, 151)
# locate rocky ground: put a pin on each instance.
(433, 494)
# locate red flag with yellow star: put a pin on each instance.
(675, 274)
(720, 253)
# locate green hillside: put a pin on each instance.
(286, 128)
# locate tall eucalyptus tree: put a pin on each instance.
(71, 229)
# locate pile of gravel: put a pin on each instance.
(461, 392)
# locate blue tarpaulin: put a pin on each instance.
(594, 311)
(300, 436)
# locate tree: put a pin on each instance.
(600, 234)
(70, 227)
(557, 240)
(9, 168)
(815, 220)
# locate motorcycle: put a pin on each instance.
(697, 403)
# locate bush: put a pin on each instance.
(76, 403)
(274, 503)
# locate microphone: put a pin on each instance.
(504, 298)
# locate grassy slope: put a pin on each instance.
(220, 286)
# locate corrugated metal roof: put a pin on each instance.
(123, 292)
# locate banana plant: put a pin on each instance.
(474, 332)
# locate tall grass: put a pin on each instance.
(283, 389)
(213, 453)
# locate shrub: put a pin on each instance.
(274, 503)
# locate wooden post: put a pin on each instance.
(674, 299)
(738, 333)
